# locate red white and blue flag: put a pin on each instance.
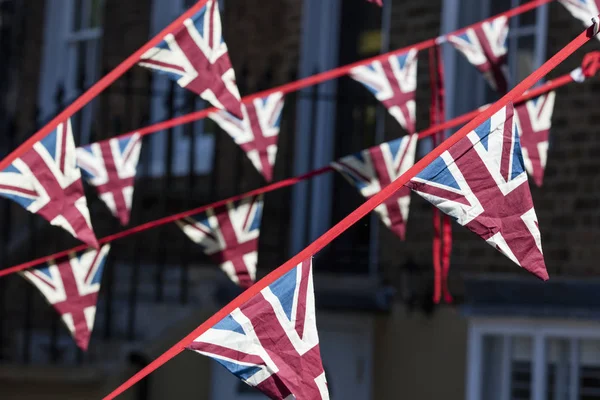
(393, 81)
(196, 56)
(271, 341)
(583, 10)
(45, 180)
(485, 46)
(258, 132)
(229, 235)
(71, 286)
(534, 119)
(481, 182)
(374, 168)
(110, 166)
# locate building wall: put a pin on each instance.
(418, 356)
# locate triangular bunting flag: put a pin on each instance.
(229, 235)
(481, 182)
(45, 180)
(373, 169)
(196, 56)
(583, 10)
(485, 46)
(110, 166)
(258, 132)
(71, 285)
(271, 341)
(534, 118)
(393, 81)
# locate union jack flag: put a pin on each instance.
(485, 46)
(583, 10)
(481, 182)
(534, 119)
(229, 235)
(71, 285)
(45, 180)
(393, 81)
(374, 168)
(271, 341)
(196, 56)
(257, 133)
(110, 166)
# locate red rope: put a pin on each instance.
(98, 87)
(368, 206)
(265, 189)
(325, 76)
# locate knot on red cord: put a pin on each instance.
(590, 64)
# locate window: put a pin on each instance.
(71, 59)
(339, 117)
(533, 359)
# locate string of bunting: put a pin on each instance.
(45, 180)
(472, 177)
(481, 157)
(589, 69)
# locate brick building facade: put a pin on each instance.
(397, 351)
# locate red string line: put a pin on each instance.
(98, 87)
(168, 219)
(325, 76)
(368, 206)
(265, 189)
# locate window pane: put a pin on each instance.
(492, 367)
(520, 361)
(498, 6)
(528, 18)
(77, 13)
(96, 13)
(525, 57)
(557, 369)
(589, 370)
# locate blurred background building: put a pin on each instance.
(507, 336)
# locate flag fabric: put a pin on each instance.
(196, 56)
(374, 168)
(485, 46)
(258, 132)
(393, 81)
(378, 2)
(110, 166)
(229, 235)
(45, 180)
(534, 119)
(271, 341)
(481, 182)
(71, 286)
(583, 10)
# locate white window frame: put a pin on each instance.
(163, 13)
(539, 330)
(59, 63)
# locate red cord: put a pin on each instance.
(368, 206)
